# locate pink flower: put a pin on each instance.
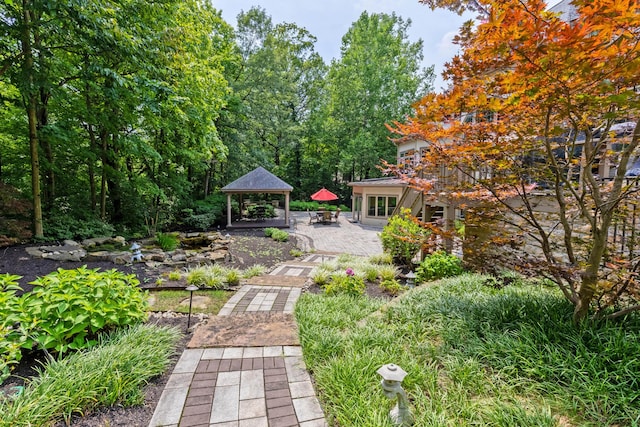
(349, 272)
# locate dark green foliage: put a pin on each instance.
(63, 225)
(261, 211)
(298, 205)
(438, 265)
(167, 241)
(203, 214)
(10, 316)
(402, 238)
(504, 278)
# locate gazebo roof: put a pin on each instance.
(258, 180)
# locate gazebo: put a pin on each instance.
(257, 181)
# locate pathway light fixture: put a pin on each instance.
(392, 376)
(411, 279)
(191, 289)
(137, 253)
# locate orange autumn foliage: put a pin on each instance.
(534, 112)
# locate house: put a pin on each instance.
(375, 200)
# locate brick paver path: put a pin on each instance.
(245, 386)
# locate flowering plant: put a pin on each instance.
(350, 272)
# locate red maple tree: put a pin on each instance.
(537, 131)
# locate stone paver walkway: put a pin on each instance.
(244, 368)
(240, 387)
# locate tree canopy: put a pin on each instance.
(538, 131)
(128, 113)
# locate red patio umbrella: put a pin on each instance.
(323, 195)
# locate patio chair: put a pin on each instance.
(312, 217)
(335, 216)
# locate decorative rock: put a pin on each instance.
(200, 302)
(180, 257)
(121, 258)
(35, 252)
(93, 242)
(217, 255)
(98, 256)
(152, 264)
(66, 255)
(212, 248)
(156, 256)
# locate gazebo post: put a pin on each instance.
(229, 209)
(286, 208)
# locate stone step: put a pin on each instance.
(273, 280)
(246, 330)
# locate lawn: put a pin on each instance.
(475, 356)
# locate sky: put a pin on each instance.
(329, 20)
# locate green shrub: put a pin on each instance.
(254, 270)
(438, 265)
(321, 276)
(197, 277)
(10, 316)
(345, 284)
(63, 226)
(175, 275)
(268, 232)
(233, 276)
(371, 273)
(280, 236)
(198, 221)
(276, 234)
(295, 252)
(204, 213)
(113, 373)
(167, 241)
(388, 272)
(381, 259)
(402, 238)
(265, 211)
(298, 205)
(214, 281)
(391, 286)
(68, 308)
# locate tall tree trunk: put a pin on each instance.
(31, 102)
(207, 177)
(589, 280)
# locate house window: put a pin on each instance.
(407, 158)
(381, 206)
